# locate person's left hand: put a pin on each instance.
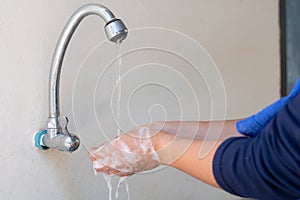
(127, 154)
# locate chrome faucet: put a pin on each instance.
(57, 135)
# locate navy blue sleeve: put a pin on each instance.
(267, 166)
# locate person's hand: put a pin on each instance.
(251, 126)
(127, 154)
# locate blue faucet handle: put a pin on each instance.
(37, 140)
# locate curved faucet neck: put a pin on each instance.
(62, 44)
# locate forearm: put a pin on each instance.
(199, 130)
(184, 154)
(177, 148)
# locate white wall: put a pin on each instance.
(242, 36)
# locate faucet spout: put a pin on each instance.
(56, 136)
(115, 30)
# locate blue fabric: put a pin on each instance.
(267, 166)
(251, 126)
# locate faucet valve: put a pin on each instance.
(57, 136)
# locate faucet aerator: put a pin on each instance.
(116, 31)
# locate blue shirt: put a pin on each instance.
(266, 167)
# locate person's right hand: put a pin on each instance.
(251, 126)
(127, 154)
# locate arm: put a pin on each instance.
(183, 154)
(174, 144)
(239, 165)
(264, 167)
(200, 130)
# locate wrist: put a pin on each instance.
(161, 143)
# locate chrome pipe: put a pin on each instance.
(113, 28)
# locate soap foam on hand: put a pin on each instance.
(108, 178)
(127, 154)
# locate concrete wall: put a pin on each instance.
(242, 37)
